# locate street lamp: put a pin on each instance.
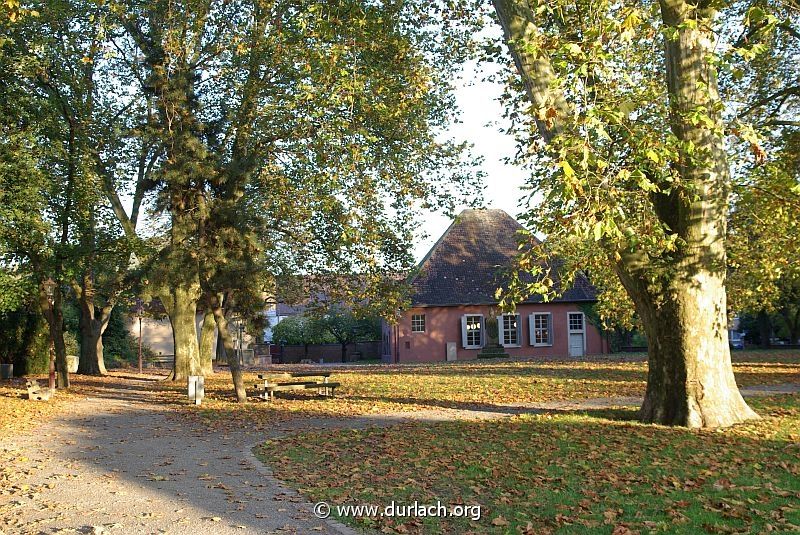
(139, 312)
(49, 289)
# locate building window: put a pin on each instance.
(509, 330)
(472, 331)
(576, 322)
(541, 329)
(418, 323)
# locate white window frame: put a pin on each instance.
(464, 337)
(501, 329)
(532, 329)
(424, 323)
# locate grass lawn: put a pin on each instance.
(369, 389)
(595, 472)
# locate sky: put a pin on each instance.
(481, 116)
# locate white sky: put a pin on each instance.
(481, 116)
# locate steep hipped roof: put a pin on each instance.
(464, 266)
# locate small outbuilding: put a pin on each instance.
(454, 311)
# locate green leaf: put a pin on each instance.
(598, 230)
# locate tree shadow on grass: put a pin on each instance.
(593, 466)
(605, 373)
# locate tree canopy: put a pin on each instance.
(255, 141)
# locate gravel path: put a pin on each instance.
(120, 467)
(115, 465)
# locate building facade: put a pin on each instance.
(454, 313)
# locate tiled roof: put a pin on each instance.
(465, 266)
(283, 309)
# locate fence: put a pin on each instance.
(329, 352)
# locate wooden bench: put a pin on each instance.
(159, 361)
(271, 385)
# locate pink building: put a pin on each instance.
(453, 299)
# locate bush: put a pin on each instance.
(120, 348)
(24, 341)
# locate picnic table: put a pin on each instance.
(275, 382)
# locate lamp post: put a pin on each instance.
(139, 312)
(49, 289)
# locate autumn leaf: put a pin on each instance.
(499, 521)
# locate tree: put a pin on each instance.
(36, 191)
(68, 89)
(635, 176)
(300, 330)
(291, 138)
(346, 328)
(331, 323)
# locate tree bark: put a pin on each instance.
(207, 346)
(92, 324)
(537, 73)
(91, 361)
(230, 350)
(690, 379)
(182, 312)
(55, 321)
(221, 355)
(680, 297)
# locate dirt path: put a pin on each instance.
(124, 467)
(116, 465)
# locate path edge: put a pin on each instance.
(267, 473)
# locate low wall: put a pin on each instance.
(328, 352)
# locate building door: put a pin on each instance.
(577, 334)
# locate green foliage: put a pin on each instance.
(24, 341)
(608, 168)
(334, 324)
(300, 330)
(345, 326)
(764, 257)
(318, 168)
(119, 346)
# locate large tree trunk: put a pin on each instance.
(221, 354)
(91, 361)
(680, 297)
(182, 312)
(92, 324)
(230, 350)
(207, 346)
(690, 379)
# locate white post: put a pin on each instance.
(196, 388)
